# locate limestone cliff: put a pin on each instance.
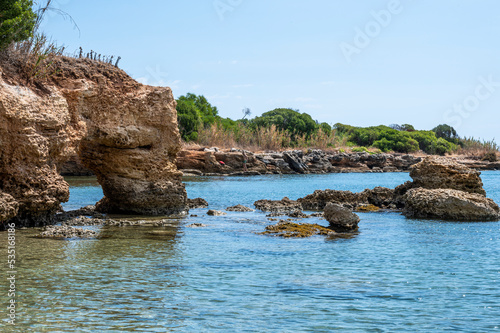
(125, 132)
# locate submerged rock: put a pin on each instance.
(278, 206)
(239, 208)
(341, 219)
(67, 232)
(449, 204)
(83, 221)
(290, 229)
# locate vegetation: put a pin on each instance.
(17, 21)
(283, 128)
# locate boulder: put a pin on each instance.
(320, 198)
(284, 205)
(340, 218)
(294, 160)
(444, 173)
(449, 204)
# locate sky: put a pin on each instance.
(363, 63)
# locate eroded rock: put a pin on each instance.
(123, 131)
(444, 173)
(449, 204)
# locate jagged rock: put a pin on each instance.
(67, 232)
(341, 219)
(283, 205)
(294, 160)
(123, 131)
(239, 208)
(449, 204)
(215, 213)
(444, 173)
(197, 203)
(8, 207)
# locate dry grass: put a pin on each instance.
(477, 149)
(264, 138)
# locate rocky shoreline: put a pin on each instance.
(207, 162)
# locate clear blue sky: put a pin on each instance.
(356, 62)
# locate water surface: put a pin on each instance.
(395, 275)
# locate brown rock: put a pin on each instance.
(125, 132)
(449, 205)
(341, 219)
(440, 172)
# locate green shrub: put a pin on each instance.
(17, 21)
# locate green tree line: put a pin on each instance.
(195, 113)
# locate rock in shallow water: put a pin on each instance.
(449, 204)
(215, 213)
(341, 219)
(290, 229)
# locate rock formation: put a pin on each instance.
(450, 205)
(125, 132)
(440, 172)
(444, 189)
(341, 219)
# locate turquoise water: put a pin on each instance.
(394, 275)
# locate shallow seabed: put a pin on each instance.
(394, 275)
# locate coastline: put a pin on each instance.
(207, 162)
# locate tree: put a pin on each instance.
(290, 120)
(446, 132)
(192, 112)
(246, 112)
(17, 21)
